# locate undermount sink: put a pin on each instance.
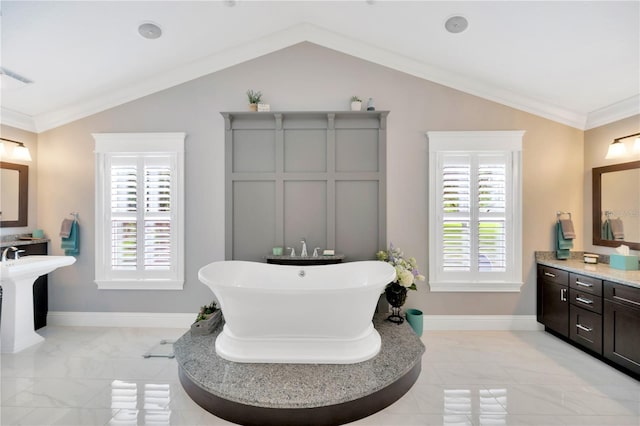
(17, 278)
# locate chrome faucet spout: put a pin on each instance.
(6, 251)
(303, 252)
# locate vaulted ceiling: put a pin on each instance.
(574, 62)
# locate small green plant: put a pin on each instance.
(254, 97)
(355, 99)
(206, 310)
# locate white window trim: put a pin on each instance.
(110, 143)
(476, 141)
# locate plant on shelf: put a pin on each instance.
(206, 311)
(406, 276)
(254, 99)
(356, 103)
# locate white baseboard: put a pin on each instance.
(482, 322)
(179, 320)
(121, 319)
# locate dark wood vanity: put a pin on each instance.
(594, 307)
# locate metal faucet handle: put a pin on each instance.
(6, 251)
(16, 254)
(293, 251)
(315, 252)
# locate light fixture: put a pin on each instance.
(3, 150)
(636, 145)
(617, 148)
(20, 152)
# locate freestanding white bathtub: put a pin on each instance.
(297, 314)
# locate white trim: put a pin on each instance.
(147, 284)
(306, 32)
(479, 287)
(17, 120)
(139, 142)
(609, 114)
(482, 322)
(121, 319)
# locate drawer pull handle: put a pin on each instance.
(583, 328)
(583, 300)
(626, 300)
(583, 284)
(549, 274)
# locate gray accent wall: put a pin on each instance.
(315, 175)
(303, 77)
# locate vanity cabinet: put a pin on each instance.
(553, 299)
(585, 311)
(621, 325)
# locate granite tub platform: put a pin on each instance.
(295, 394)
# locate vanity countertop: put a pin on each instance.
(600, 270)
(19, 242)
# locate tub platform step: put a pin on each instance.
(294, 394)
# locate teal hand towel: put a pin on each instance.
(562, 254)
(70, 244)
(561, 242)
(607, 233)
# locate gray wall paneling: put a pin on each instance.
(314, 175)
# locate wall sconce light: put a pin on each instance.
(20, 152)
(617, 148)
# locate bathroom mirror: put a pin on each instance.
(616, 205)
(14, 194)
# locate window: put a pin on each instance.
(139, 211)
(475, 211)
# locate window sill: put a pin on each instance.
(475, 287)
(140, 284)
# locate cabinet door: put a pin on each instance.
(40, 287)
(555, 307)
(621, 342)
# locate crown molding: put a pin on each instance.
(618, 111)
(17, 120)
(306, 32)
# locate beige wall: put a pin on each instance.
(305, 77)
(596, 144)
(30, 141)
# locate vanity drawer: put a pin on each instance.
(554, 275)
(585, 300)
(585, 328)
(623, 294)
(586, 284)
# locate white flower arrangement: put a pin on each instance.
(406, 269)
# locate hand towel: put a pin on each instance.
(65, 228)
(70, 244)
(563, 245)
(606, 230)
(567, 229)
(617, 229)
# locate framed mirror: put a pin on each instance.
(14, 194)
(616, 205)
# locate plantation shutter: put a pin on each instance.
(475, 211)
(139, 211)
(141, 201)
(474, 208)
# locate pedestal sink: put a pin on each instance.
(17, 278)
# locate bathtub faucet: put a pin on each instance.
(303, 252)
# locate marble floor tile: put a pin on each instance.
(97, 376)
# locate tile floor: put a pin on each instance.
(97, 376)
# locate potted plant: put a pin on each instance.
(356, 103)
(209, 317)
(254, 99)
(406, 276)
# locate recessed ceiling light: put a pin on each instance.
(150, 30)
(456, 24)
